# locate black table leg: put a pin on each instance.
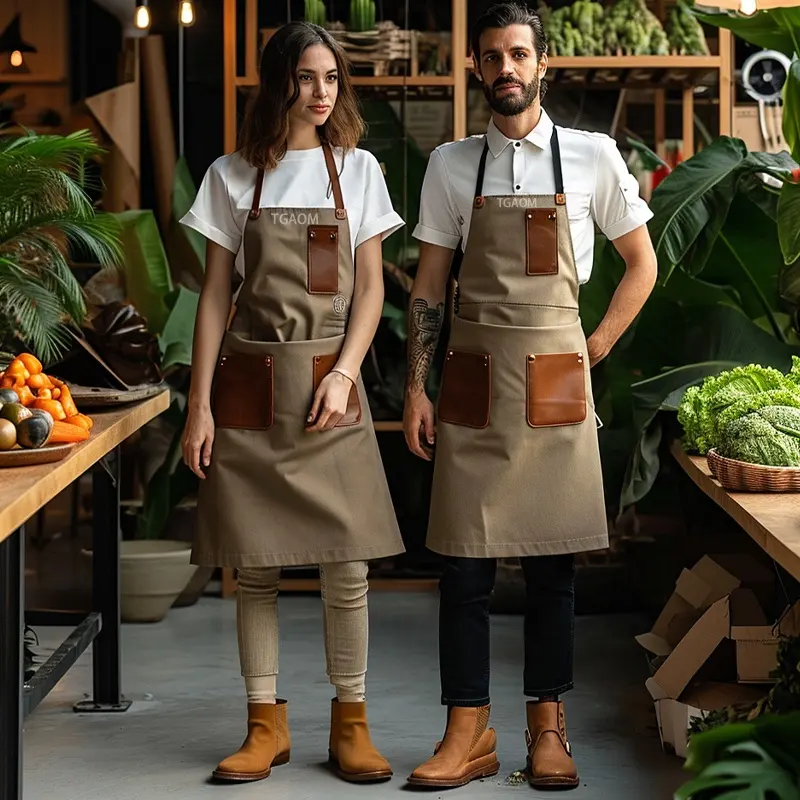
(12, 628)
(106, 648)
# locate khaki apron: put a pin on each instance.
(274, 494)
(517, 464)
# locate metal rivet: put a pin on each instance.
(551, 216)
(530, 215)
(333, 236)
(312, 234)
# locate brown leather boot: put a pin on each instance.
(350, 747)
(467, 752)
(550, 761)
(268, 744)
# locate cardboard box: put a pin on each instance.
(675, 716)
(756, 639)
(695, 591)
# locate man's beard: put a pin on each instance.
(512, 104)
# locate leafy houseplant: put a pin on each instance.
(757, 760)
(45, 210)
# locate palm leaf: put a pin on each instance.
(44, 210)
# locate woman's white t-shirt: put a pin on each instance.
(300, 180)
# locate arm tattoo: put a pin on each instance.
(425, 325)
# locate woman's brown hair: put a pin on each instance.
(262, 140)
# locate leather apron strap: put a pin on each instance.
(330, 164)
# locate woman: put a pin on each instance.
(279, 429)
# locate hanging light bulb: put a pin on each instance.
(186, 13)
(748, 7)
(16, 58)
(142, 16)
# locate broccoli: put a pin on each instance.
(574, 30)
(769, 436)
(632, 28)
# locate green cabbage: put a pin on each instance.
(707, 409)
(769, 436)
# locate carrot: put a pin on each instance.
(81, 420)
(70, 409)
(65, 433)
(32, 364)
(53, 407)
(25, 395)
(39, 380)
(56, 393)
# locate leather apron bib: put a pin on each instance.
(274, 494)
(517, 465)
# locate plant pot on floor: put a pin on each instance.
(153, 573)
(195, 588)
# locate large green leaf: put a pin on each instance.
(691, 204)
(791, 109)
(186, 248)
(746, 772)
(774, 732)
(767, 29)
(184, 193)
(178, 334)
(649, 397)
(789, 220)
(147, 276)
(748, 257)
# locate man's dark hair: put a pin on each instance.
(503, 15)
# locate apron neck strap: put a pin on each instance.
(334, 176)
(255, 208)
(555, 153)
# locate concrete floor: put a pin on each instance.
(188, 710)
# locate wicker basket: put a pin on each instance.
(740, 476)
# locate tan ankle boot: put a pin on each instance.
(350, 747)
(467, 752)
(550, 761)
(268, 744)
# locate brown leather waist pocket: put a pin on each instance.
(541, 241)
(323, 259)
(243, 393)
(556, 389)
(322, 366)
(466, 394)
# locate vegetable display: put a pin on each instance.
(685, 33)
(586, 28)
(39, 408)
(749, 413)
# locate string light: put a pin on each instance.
(16, 58)
(186, 13)
(142, 15)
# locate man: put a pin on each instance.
(517, 467)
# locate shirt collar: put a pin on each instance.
(539, 136)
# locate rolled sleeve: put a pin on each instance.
(211, 213)
(616, 205)
(378, 217)
(439, 222)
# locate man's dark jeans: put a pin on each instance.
(464, 646)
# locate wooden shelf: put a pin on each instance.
(378, 80)
(628, 62)
(31, 77)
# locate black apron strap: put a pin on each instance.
(481, 172)
(555, 151)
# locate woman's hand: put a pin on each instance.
(330, 402)
(198, 437)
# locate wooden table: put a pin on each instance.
(23, 491)
(772, 520)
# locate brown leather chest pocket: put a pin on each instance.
(322, 366)
(323, 259)
(556, 389)
(541, 241)
(466, 394)
(243, 393)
